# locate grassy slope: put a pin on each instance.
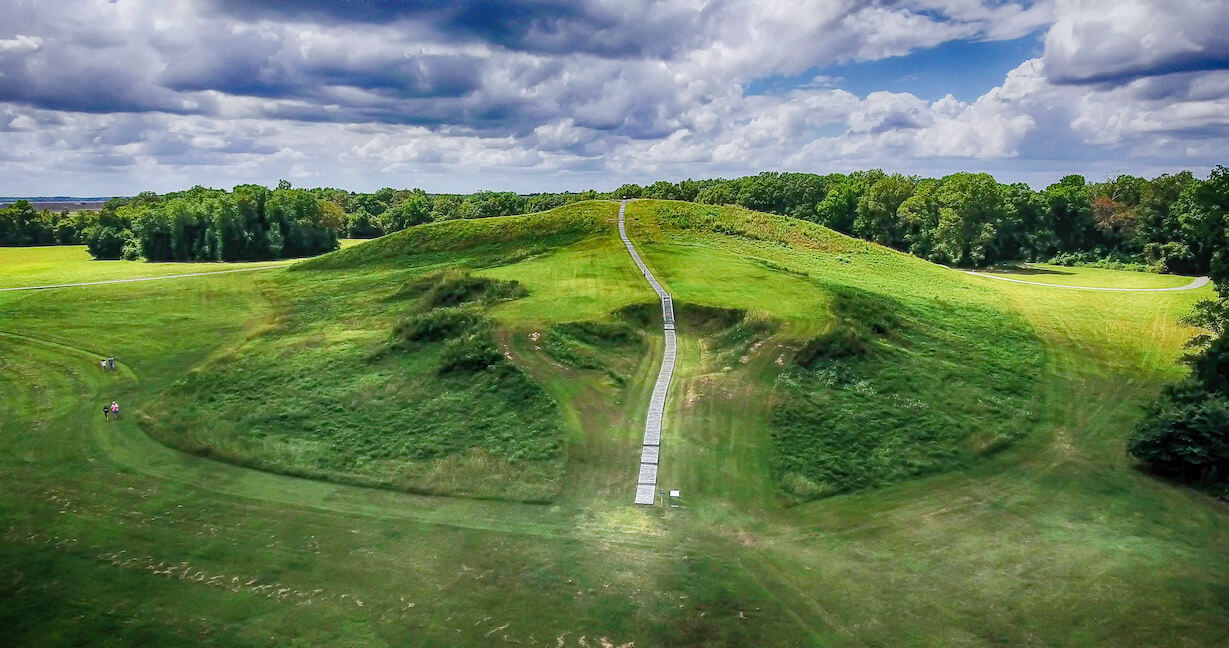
(1054, 541)
(947, 379)
(1057, 540)
(320, 392)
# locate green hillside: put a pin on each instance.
(432, 439)
(392, 363)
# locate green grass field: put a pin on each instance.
(872, 450)
(35, 266)
(1091, 277)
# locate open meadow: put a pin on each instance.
(431, 439)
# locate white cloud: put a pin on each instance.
(133, 95)
(21, 44)
(1118, 40)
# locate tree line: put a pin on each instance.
(248, 223)
(969, 219)
(22, 224)
(965, 219)
(1185, 432)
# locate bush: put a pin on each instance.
(437, 325)
(1185, 435)
(471, 353)
(1104, 260)
(448, 313)
(599, 334)
(453, 289)
(861, 318)
(105, 242)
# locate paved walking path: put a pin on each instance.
(116, 281)
(646, 484)
(1196, 283)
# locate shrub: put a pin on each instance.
(455, 287)
(106, 242)
(1104, 260)
(437, 325)
(470, 353)
(860, 319)
(1185, 435)
(876, 315)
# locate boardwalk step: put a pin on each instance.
(651, 452)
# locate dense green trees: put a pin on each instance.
(1185, 433)
(875, 217)
(414, 209)
(970, 219)
(22, 224)
(249, 223)
(970, 207)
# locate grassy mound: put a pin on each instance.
(883, 395)
(435, 407)
(496, 241)
(109, 536)
(405, 362)
(883, 367)
(382, 367)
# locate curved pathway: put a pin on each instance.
(1199, 282)
(646, 484)
(117, 281)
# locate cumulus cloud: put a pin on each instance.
(20, 44)
(540, 94)
(1120, 40)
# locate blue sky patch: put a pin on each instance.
(965, 69)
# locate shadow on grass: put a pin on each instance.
(1025, 270)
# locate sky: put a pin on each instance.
(114, 97)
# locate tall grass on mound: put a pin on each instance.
(747, 224)
(514, 237)
(455, 286)
(607, 346)
(898, 367)
(728, 333)
(882, 396)
(434, 407)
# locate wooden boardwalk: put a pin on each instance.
(646, 483)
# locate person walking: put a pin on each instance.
(106, 412)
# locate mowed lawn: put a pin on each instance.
(1051, 539)
(1086, 276)
(45, 265)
